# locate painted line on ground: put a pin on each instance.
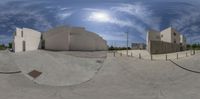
(184, 67)
(15, 72)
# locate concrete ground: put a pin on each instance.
(119, 78)
(60, 68)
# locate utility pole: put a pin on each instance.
(127, 43)
(191, 44)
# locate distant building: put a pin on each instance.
(60, 39)
(138, 46)
(166, 41)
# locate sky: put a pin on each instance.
(111, 19)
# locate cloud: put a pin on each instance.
(5, 39)
(135, 17)
(64, 15)
(98, 15)
(23, 15)
(140, 12)
(114, 36)
(188, 22)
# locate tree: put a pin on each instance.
(111, 48)
(10, 45)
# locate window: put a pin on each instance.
(174, 41)
(22, 34)
(174, 34)
(161, 36)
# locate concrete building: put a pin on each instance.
(26, 40)
(138, 46)
(166, 41)
(60, 39)
(73, 38)
(183, 42)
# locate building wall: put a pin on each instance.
(160, 47)
(175, 36)
(60, 39)
(82, 41)
(170, 41)
(29, 36)
(183, 42)
(152, 35)
(57, 38)
(73, 38)
(166, 35)
(170, 35)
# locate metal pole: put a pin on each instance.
(151, 57)
(186, 54)
(131, 54)
(114, 53)
(166, 57)
(127, 44)
(176, 55)
(191, 44)
(140, 56)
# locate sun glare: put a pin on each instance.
(99, 16)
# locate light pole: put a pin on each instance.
(127, 43)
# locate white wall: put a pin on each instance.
(182, 40)
(152, 35)
(73, 38)
(31, 38)
(175, 37)
(57, 39)
(166, 35)
(60, 38)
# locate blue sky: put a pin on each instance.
(109, 18)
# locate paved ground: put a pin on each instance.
(60, 68)
(7, 63)
(119, 78)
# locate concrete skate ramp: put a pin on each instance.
(58, 68)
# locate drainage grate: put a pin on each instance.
(34, 74)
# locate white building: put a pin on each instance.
(73, 38)
(166, 41)
(26, 40)
(60, 39)
(170, 35)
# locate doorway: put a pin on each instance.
(24, 46)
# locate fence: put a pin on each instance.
(140, 55)
(160, 47)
